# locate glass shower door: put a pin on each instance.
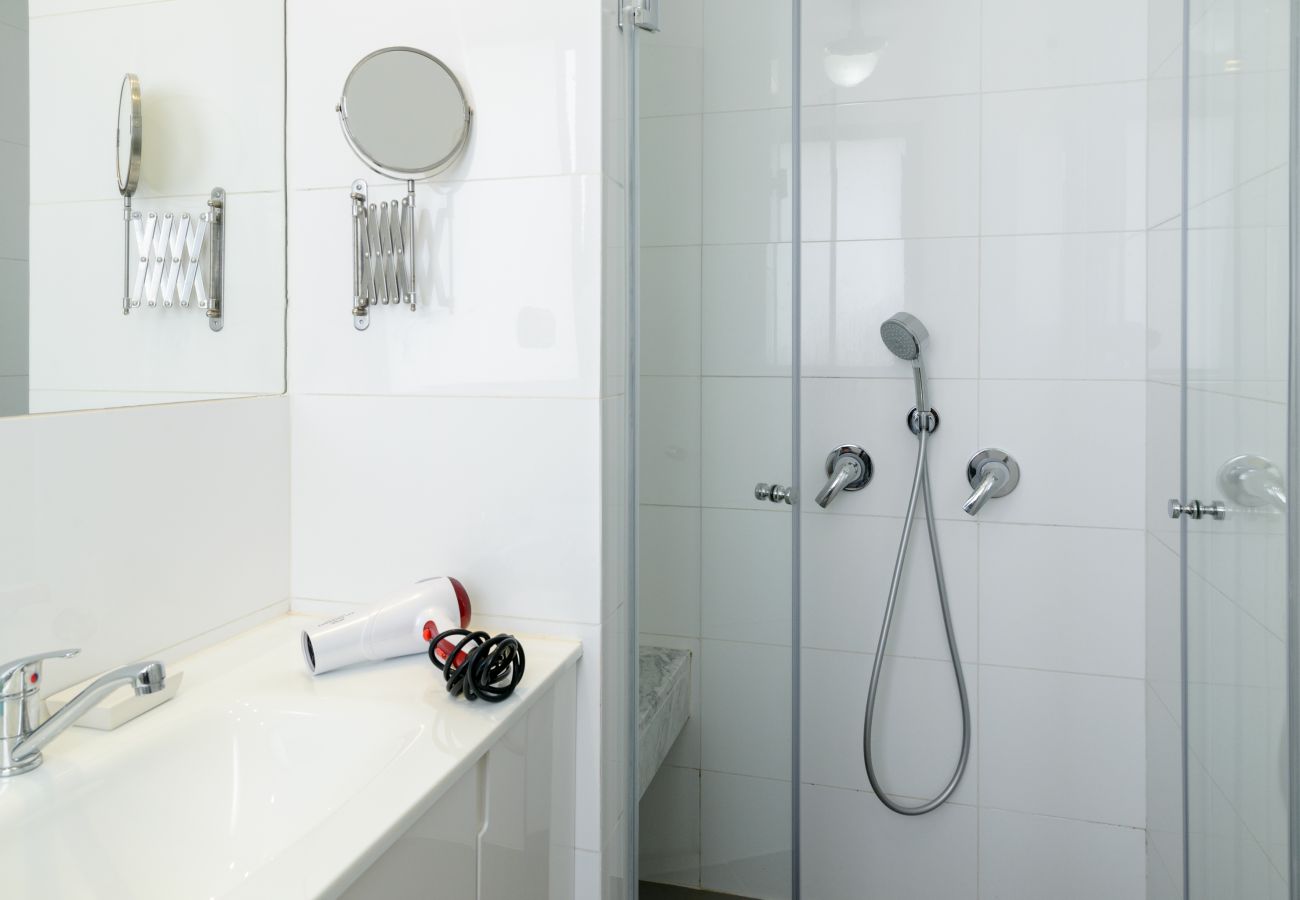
(714, 298)
(1237, 308)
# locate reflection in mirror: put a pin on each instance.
(404, 113)
(73, 256)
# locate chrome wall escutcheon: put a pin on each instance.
(1195, 509)
(992, 473)
(849, 468)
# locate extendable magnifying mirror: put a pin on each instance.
(130, 140)
(405, 115)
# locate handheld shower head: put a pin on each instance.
(906, 337)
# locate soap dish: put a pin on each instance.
(119, 707)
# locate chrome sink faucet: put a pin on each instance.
(22, 731)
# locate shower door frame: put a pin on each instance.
(631, 37)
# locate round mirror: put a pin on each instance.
(128, 135)
(404, 113)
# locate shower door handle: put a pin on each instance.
(1195, 509)
(777, 493)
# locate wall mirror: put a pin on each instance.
(404, 113)
(85, 240)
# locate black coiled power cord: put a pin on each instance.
(480, 667)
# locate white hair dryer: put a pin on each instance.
(400, 625)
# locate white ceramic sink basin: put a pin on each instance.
(236, 787)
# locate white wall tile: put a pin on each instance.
(1069, 599)
(672, 61)
(1090, 421)
(1065, 160)
(907, 168)
(13, 317)
(14, 13)
(1063, 745)
(747, 173)
(851, 287)
(84, 343)
(873, 413)
(671, 181)
(1049, 43)
(752, 861)
(1063, 306)
(916, 732)
(923, 48)
(669, 570)
(1036, 856)
(670, 828)
(105, 528)
(745, 586)
(853, 848)
(14, 88)
(748, 312)
(670, 310)
(745, 709)
(670, 441)
(746, 439)
(846, 566)
(442, 506)
(196, 127)
(530, 327)
(13, 395)
(747, 63)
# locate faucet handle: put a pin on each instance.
(992, 473)
(13, 671)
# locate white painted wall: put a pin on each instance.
(200, 132)
(13, 208)
(481, 435)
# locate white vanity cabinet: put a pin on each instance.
(503, 829)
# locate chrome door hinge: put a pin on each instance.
(1195, 509)
(644, 14)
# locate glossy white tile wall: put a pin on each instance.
(13, 210)
(989, 176)
(197, 137)
(483, 433)
(126, 532)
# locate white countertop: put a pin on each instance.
(257, 781)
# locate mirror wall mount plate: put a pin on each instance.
(176, 260)
(130, 142)
(405, 115)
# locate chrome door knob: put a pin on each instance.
(1195, 509)
(777, 493)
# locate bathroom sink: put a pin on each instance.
(252, 779)
(257, 780)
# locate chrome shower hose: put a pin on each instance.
(920, 486)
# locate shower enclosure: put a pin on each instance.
(1089, 207)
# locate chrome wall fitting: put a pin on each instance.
(383, 253)
(914, 421)
(180, 262)
(849, 469)
(1253, 482)
(992, 473)
(1195, 509)
(776, 493)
